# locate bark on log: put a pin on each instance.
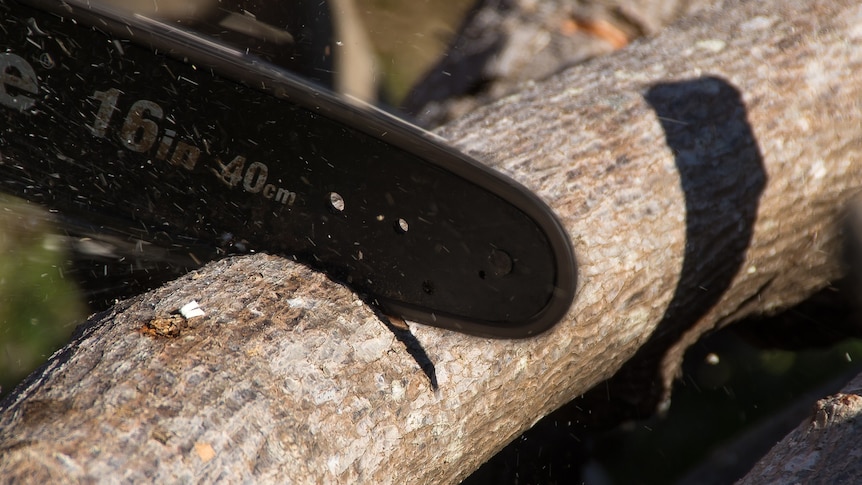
(823, 449)
(701, 177)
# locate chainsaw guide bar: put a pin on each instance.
(168, 133)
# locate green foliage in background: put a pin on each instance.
(408, 38)
(38, 307)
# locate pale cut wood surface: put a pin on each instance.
(290, 378)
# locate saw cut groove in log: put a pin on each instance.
(291, 378)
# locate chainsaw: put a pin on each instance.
(189, 131)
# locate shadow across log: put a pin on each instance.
(722, 176)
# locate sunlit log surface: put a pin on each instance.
(701, 177)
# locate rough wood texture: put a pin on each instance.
(823, 449)
(700, 175)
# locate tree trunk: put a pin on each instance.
(701, 176)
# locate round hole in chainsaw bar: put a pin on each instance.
(501, 263)
(336, 201)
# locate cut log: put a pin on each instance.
(700, 175)
(823, 449)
